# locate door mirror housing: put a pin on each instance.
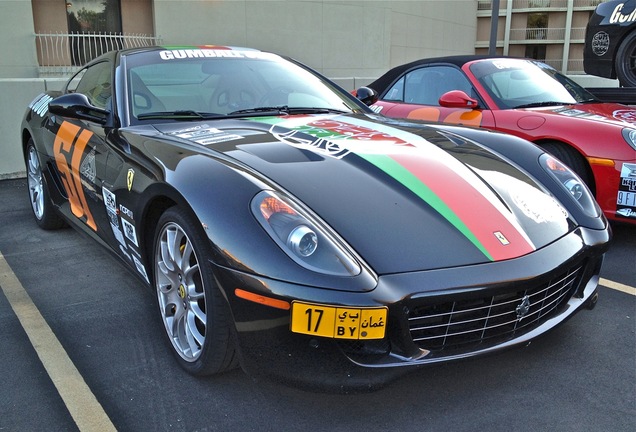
(77, 106)
(457, 99)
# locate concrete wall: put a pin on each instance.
(337, 38)
(16, 94)
(17, 51)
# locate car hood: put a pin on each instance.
(405, 199)
(609, 113)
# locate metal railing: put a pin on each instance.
(63, 53)
(574, 66)
(546, 33)
(538, 4)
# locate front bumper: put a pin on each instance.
(434, 316)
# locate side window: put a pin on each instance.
(396, 93)
(424, 86)
(95, 83)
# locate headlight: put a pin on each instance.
(302, 236)
(571, 183)
(629, 135)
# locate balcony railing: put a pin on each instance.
(537, 4)
(575, 66)
(62, 54)
(554, 35)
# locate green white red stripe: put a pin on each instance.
(443, 182)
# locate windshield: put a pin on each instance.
(178, 84)
(515, 83)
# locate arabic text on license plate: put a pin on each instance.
(338, 322)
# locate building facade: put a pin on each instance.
(350, 41)
(552, 31)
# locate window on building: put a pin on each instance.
(537, 26)
(93, 16)
(89, 24)
(536, 52)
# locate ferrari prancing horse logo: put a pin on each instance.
(502, 238)
(129, 178)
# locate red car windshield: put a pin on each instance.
(517, 83)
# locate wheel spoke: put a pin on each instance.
(193, 330)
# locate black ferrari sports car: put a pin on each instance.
(610, 42)
(288, 229)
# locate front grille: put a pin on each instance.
(459, 324)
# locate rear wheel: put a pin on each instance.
(626, 61)
(43, 209)
(194, 313)
(572, 159)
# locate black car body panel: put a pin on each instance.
(426, 215)
(606, 30)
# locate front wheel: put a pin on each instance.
(626, 61)
(194, 313)
(45, 215)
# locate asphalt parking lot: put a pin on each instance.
(82, 350)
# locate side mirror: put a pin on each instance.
(77, 105)
(367, 95)
(457, 99)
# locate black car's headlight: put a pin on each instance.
(629, 135)
(302, 236)
(571, 183)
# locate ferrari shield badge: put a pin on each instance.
(129, 178)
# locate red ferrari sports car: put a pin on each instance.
(528, 99)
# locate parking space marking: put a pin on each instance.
(618, 286)
(86, 411)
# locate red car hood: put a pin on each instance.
(620, 115)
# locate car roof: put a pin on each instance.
(458, 60)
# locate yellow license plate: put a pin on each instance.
(338, 322)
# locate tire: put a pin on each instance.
(625, 63)
(572, 159)
(43, 209)
(195, 315)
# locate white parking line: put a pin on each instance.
(78, 397)
(618, 286)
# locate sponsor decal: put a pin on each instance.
(126, 254)
(68, 148)
(206, 135)
(179, 54)
(626, 197)
(110, 202)
(376, 108)
(140, 268)
(539, 207)
(126, 211)
(87, 168)
(130, 232)
(600, 43)
(460, 116)
(617, 16)
(40, 105)
(627, 115)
